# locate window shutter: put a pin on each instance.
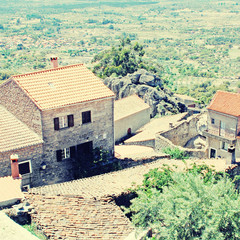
(59, 155)
(56, 123)
(72, 152)
(70, 121)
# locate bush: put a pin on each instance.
(189, 208)
(176, 153)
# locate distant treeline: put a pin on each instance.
(98, 3)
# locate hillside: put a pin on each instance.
(194, 41)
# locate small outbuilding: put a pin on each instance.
(190, 102)
(130, 114)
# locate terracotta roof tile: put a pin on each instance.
(96, 187)
(62, 217)
(111, 184)
(14, 134)
(62, 86)
(226, 102)
(128, 106)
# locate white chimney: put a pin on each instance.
(54, 62)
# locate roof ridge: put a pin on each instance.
(233, 93)
(47, 70)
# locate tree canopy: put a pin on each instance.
(121, 60)
(197, 204)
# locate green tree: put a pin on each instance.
(122, 59)
(190, 207)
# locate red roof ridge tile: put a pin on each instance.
(47, 70)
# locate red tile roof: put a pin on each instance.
(62, 86)
(226, 102)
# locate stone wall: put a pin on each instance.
(162, 142)
(181, 133)
(146, 143)
(100, 131)
(33, 153)
(15, 100)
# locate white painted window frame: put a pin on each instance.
(63, 122)
(209, 154)
(30, 165)
(223, 143)
(65, 153)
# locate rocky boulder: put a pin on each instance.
(150, 88)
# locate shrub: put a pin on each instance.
(190, 208)
(176, 153)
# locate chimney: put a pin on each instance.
(14, 166)
(54, 62)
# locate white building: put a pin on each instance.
(130, 114)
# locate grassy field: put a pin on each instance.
(194, 41)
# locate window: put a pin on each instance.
(213, 153)
(222, 129)
(63, 122)
(224, 146)
(212, 121)
(65, 153)
(86, 117)
(222, 125)
(25, 167)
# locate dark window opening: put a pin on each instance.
(86, 117)
(212, 120)
(56, 123)
(59, 155)
(24, 168)
(70, 120)
(212, 153)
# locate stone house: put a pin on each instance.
(17, 138)
(190, 102)
(223, 131)
(130, 114)
(66, 113)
